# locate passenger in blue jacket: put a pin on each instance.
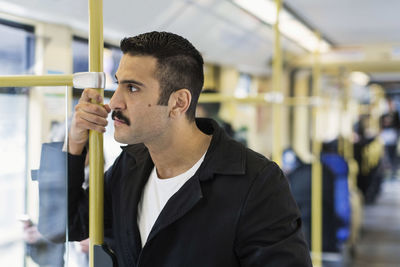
(181, 193)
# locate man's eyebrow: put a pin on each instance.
(129, 81)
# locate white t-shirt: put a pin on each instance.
(155, 195)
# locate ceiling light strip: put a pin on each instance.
(290, 25)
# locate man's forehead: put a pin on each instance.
(142, 64)
(138, 59)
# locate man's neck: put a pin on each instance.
(180, 152)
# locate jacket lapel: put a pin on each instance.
(134, 181)
(219, 159)
(178, 205)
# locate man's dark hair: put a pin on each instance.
(179, 64)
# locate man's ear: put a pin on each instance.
(179, 102)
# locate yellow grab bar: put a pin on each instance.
(36, 80)
(96, 160)
(316, 180)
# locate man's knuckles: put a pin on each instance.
(92, 109)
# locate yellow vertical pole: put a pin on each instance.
(348, 150)
(349, 155)
(277, 84)
(96, 166)
(316, 182)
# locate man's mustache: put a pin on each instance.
(118, 114)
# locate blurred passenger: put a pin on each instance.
(211, 110)
(299, 175)
(42, 252)
(368, 152)
(339, 167)
(390, 126)
(360, 130)
(182, 193)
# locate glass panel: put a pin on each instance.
(13, 109)
(46, 183)
(33, 184)
(16, 57)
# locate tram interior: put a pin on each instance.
(349, 77)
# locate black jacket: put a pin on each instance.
(237, 210)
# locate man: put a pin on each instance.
(182, 193)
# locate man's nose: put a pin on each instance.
(116, 101)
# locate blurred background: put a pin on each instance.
(324, 89)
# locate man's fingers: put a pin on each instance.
(107, 107)
(91, 122)
(92, 109)
(83, 118)
(87, 116)
(90, 94)
(91, 126)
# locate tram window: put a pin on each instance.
(111, 58)
(16, 48)
(243, 86)
(16, 57)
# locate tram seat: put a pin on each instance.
(299, 176)
(339, 167)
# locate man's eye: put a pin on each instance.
(132, 88)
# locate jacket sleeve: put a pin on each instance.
(78, 200)
(269, 229)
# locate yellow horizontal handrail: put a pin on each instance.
(264, 98)
(215, 98)
(36, 80)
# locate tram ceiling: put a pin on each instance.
(223, 32)
(364, 33)
(349, 23)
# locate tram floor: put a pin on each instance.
(379, 245)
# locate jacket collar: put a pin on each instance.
(224, 155)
